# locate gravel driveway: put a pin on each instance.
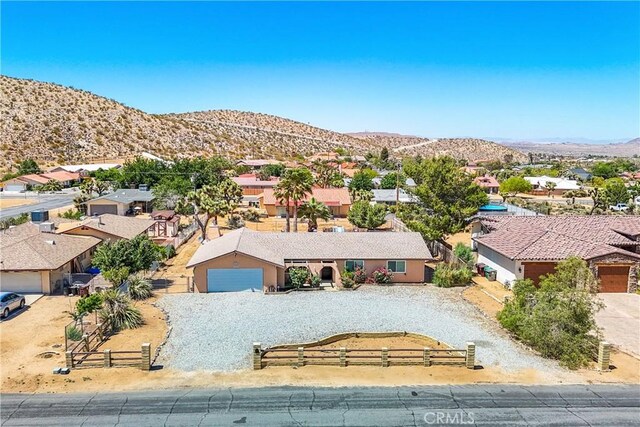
(215, 331)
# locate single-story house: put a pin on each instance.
(337, 199)
(579, 173)
(85, 170)
(251, 184)
(121, 202)
(563, 185)
(488, 183)
(529, 247)
(109, 227)
(389, 197)
(257, 163)
(26, 182)
(35, 259)
(244, 259)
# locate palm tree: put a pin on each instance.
(294, 186)
(314, 210)
(284, 197)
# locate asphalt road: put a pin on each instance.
(485, 405)
(45, 202)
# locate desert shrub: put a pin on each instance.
(251, 215)
(347, 279)
(447, 276)
(139, 288)
(360, 275)
(465, 254)
(235, 221)
(314, 280)
(298, 276)
(72, 214)
(116, 276)
(382, 275)
(88, 304)
(558, 317)
(74, 333)
(118, 311)
(169, 251)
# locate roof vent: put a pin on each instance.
(51, 242)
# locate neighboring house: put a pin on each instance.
(528, 247)
(389, 197)
(27, 182)
(563, 185)
(337, 199)
(85, 170)
(257, 163)
(244, 259)
(488, 183)
(34, 259)
(579, 173)
(252, 185)
(473, 169)
(109, 227)
(121, 202)
(167, 223)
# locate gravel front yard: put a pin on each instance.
(215, 331)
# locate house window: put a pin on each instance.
(352, 264)
(397, 266)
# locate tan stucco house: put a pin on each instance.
(35, 259)
(121, 202)
(244, 259)
(109, 227)
(337, 199)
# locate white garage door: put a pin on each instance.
(21, 282)
(14, 187)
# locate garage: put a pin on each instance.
(234, 279)
(533, 270)
(21, 282)
(15, 187)
(103, 209)
(613, 278)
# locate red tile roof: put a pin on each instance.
(486, 182)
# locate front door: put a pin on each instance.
(326, 274)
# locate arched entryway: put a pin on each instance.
(326, 274)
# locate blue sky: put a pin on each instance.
(505, 69)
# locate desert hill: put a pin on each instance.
(622, 149)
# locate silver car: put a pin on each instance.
(10, 301)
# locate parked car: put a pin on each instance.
(10, 301)
(620, 207)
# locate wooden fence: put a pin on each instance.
(107, 358)
(343, 356)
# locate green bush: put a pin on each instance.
(88, 304)
(465, 254)
(235, 221)
(251, 215)
(446, 276)
(71, 214)
(74, 334)
(382, 276)
(359, 275)
(298, 276)
(347, 279)
(169, 251)
(139, 288)
(118, 311)
(558, 317)
(314, 280)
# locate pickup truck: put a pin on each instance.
(620, 207)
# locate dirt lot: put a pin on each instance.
(32, 344)
(9, 203)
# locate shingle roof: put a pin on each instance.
(24, 247)
(385, 195)
(252, 180)
(554, 238)
(62, 176)
(127, 195)
(116, 225)
(328, 196)
(486, 181)
(278, 247)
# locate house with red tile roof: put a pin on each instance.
(26, 182)
(251, 184)
(337, 199)
(529, 247)
(488, 183)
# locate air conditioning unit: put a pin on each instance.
(47, 227)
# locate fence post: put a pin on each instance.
(385, 357)
(107, 358)
(85, 338)
(257, 355)
(343, 356)
(145, 365)
(471, 355)
(69, 359)
(100, 334)
(427, 356)
(300, 356)
(604, 356)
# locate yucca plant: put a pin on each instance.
(139, 288)
(118, 311)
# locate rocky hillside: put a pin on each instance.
(55, 124)
(470, 149)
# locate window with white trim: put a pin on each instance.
(397, 266)
(352, 264)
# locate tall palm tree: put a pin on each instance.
(282, 193)
(314, 210)
(294, 186)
